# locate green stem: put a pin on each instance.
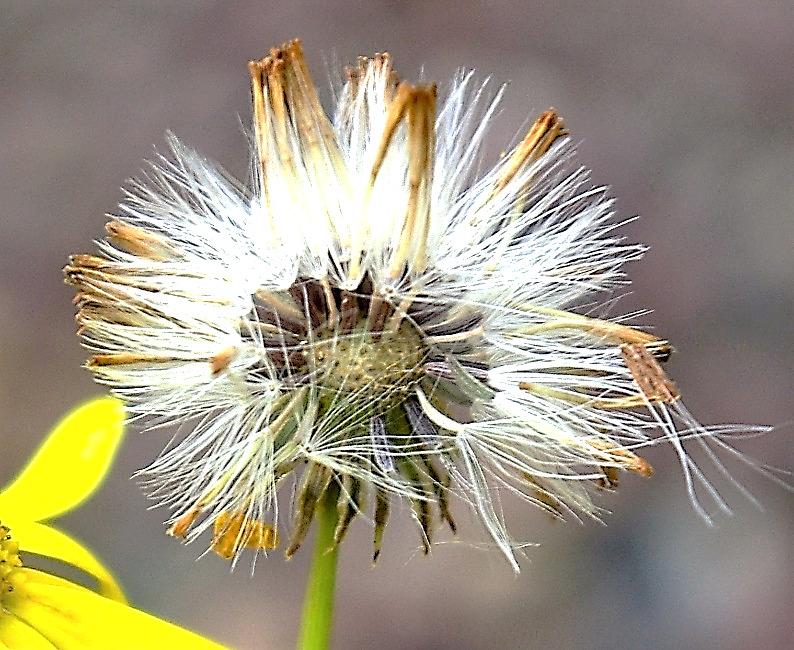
(318, 604)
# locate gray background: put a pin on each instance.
(685, 108)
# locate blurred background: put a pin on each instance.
(685, 108)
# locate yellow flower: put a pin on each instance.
(40, 610)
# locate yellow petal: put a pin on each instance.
(75, 619)
(17, 634)
(69, 465)
(43, 540)
(21, 634)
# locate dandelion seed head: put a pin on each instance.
(370, 319)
